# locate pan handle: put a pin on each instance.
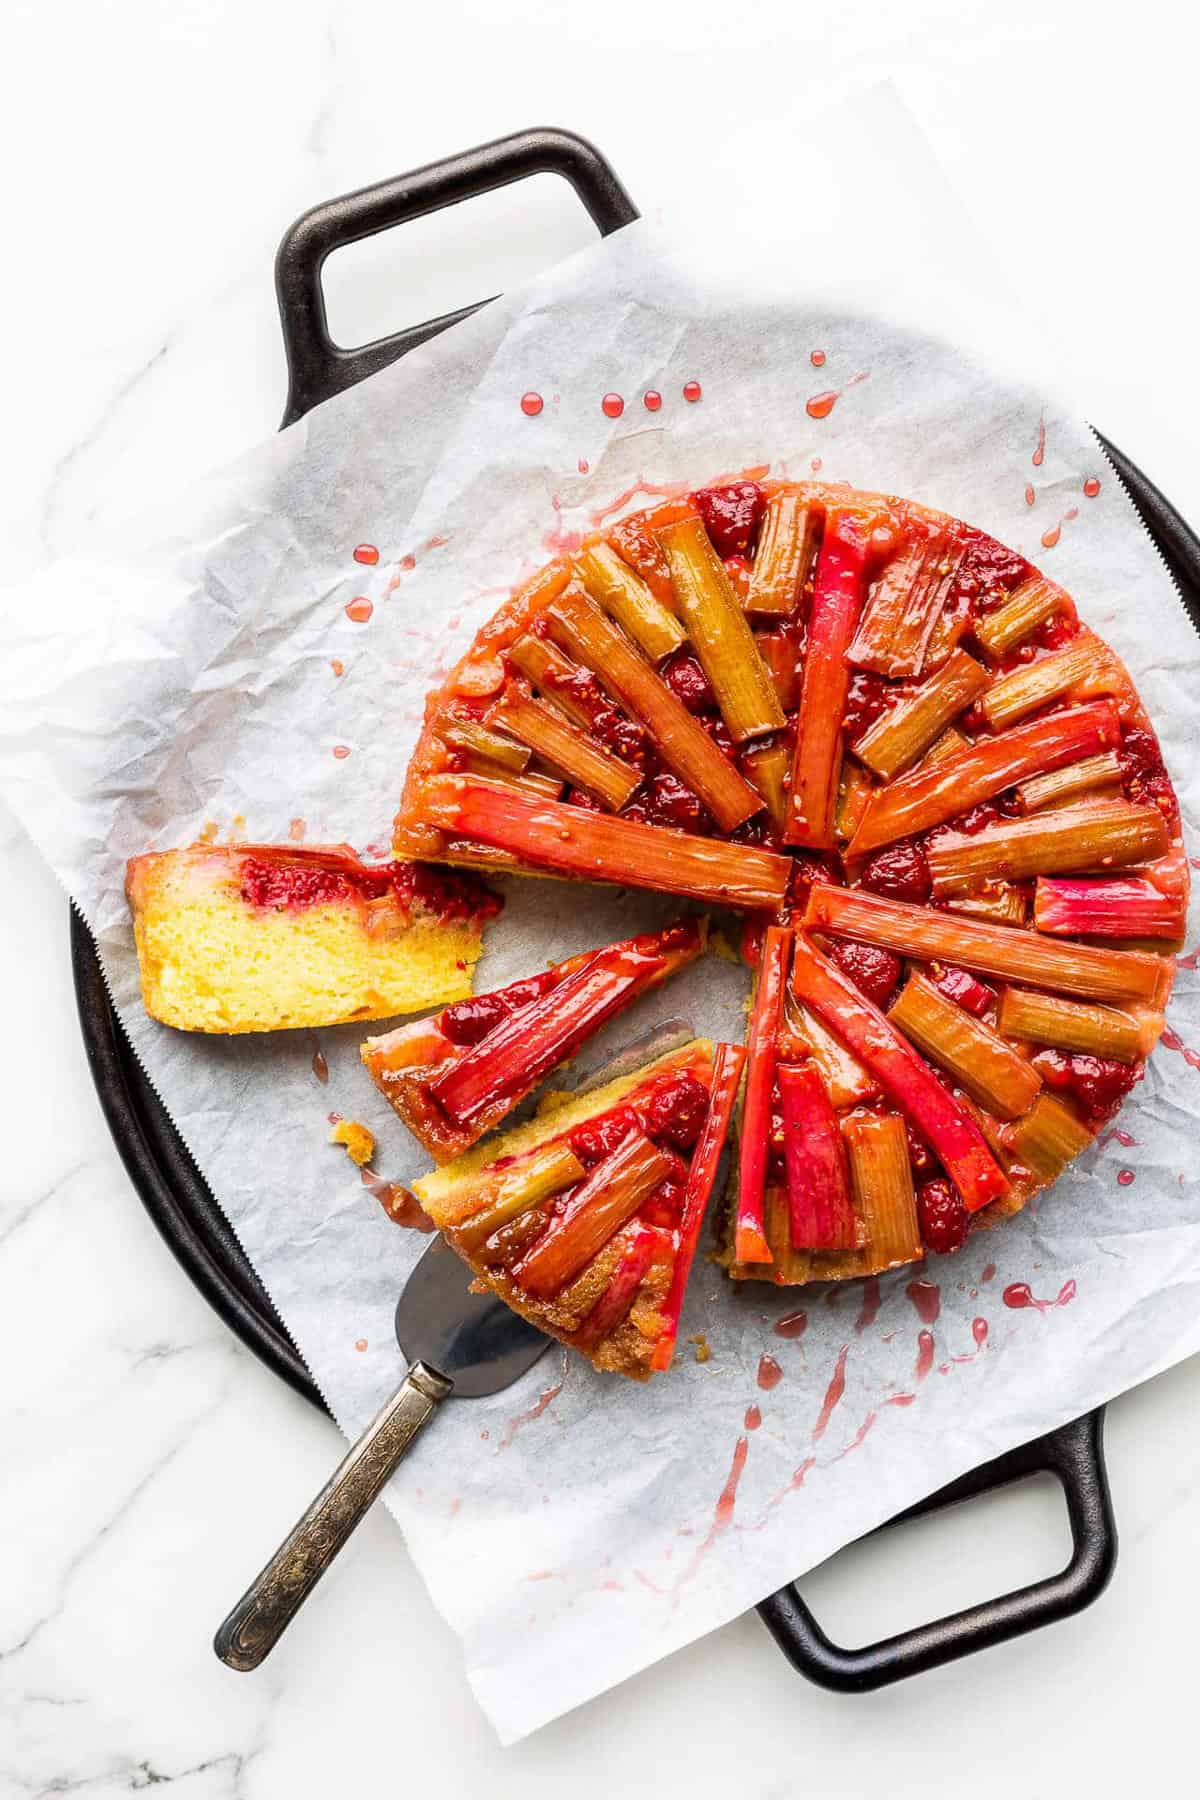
(1075, 1454)
(317, 367)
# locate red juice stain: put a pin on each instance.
(1171, 1040)
(816, 465)
(583, 465)
(338, 666)
(819, 406)
(727, 1500)
(833, 1394)
(1051, 537)
(1116, 1136)
(924, 1354)
(1030, 496)
(926, 1297)
(408, 563)
(692, 391)
(753, 1418)
(341, 751)
(988, 1273)
(858, 1437)
(1125, 1178)
(869, 1311)
(1039, 455)
(515, 1424)
(1188, 961)
(769, 1373)
(899, 1399)
(1091, 487)
(793, 1326)
(320, 1067)
(979, 1331)
(401, 1207)
(436, 542)
(360, 609)
(366, 553)
(652, 400)
(531, 404)
(1018, 1296)
(296, 831)
(612, 406)
(360, 1344)
(817, 358)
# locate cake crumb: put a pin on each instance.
(360, 1144)
(703, 1347)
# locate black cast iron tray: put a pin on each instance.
(174, 1191)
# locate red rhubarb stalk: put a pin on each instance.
(761, 1050)
(1130, 908)
(902, 1074)
(836, 604)
(614, 1304)
(819, 1204)
(728, 1062)
(599, 1207)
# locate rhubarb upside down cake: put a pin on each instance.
(937, 802)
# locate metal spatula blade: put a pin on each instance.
(458, 1344)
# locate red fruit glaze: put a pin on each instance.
(864, 703)
(1098, 1083)
(942, 1217)
(665, 800)
(597, 1138)
(731, 516)
(873, 971)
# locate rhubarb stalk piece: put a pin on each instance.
(1000, 902)
(728, 1062)
(787, 546)
(469, 735)
(821, 1212)
(854, 796)
(761, 1055)
(684, 745)
(881, 1175)
(1070, 1025)
(1094, 834)
(902, 734)
(1048, 1137)
(576, 756)
(768, 767)
(1029, 606)
(1094, 775)
(1131, 907)
(639, 1246)
(543, 787)
(896, 623)
(949, 744)
(907, 1081)
(626, 598)
(778, 652)
(990, 1070)
(846, 1081)
(517, 1190)
(837, 601)
(601, 1204)
(565, 840)
(556, 678)
(931, 796)
(1036, 684)
(1083, 970)
(720, 635)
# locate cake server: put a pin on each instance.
(458, 1345)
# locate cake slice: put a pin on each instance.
(454, 1077)
(586, 1220)
(263, 937)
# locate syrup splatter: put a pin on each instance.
(869, 1311)
(531, 404)
(924, 1354)
(407, 563)
(816, 465)
(360, 1344)
(1039, 455)
(1125, 1178)
(1091, 487)
(819, 406)
(1189, 961)
(833, 1394)
(296, 830)
(817, 358)
(519, 1420)
(366, 553)
(753, 1418)
(1051, 536)
(793, 1326)
(583, 465)
(612, 406)
(359, 609)
(341, 751)
(652, 489)
(337, 665)
(1117, 1136)
(988, 1273)
(1030, 496)
(722, 1514)
(652, 400)
(692, 391)
(1018, 1296)
(401, 1206)
(769, 1373)
(1171, 1040)
(320, 1067)
(926, 1297)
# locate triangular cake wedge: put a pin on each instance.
(455, 1077)
(586, 1220)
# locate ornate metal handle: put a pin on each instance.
(278, 1592)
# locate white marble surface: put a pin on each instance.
(148, 1462)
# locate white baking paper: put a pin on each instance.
(578, 1527)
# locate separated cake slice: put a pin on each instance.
(586, 1220)
(262, 937)
(454, 1077)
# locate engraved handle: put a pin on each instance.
(278, 1592)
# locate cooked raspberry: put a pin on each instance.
(919, 1154)
(1098, 1083)
(665, 800)
(739, 571)
(1139, 753)
(675, 1114)
(962, 987)
(942, 1216)
(622, 736)
(873, 971)
(900, 872)
(718, 731)
(597, 1138)
(731, 516)
(292, 884)
(467, 1021)
(988, 573)
(688, 682)
(447, 896)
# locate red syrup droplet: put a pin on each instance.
(753, 1418)
(583, 465)
(296, 831)
(817, 358)
(924, 1354)
(692, 391)
(1039, 454)
(769, 1373)
(360, 1344)
(652, 400)
(1030, 496)
(360, 609)
(1171, 1040)
(341, 751)
(1017, 1295)
(1091, 487)
(988, 1273)
(612, 406)
(816, 465)
(544, 1399)
(833, 1394)
(926, 1297)
(819, 406)
(979, 1331)
(408, 563)
(1125, 1177)
(869, 1311)
(1051, 537)
(338, 666)
(366, 553)
(793, 1326)
(1188, 961)
(531, 404)
(401, 1207)
(320, 1067)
